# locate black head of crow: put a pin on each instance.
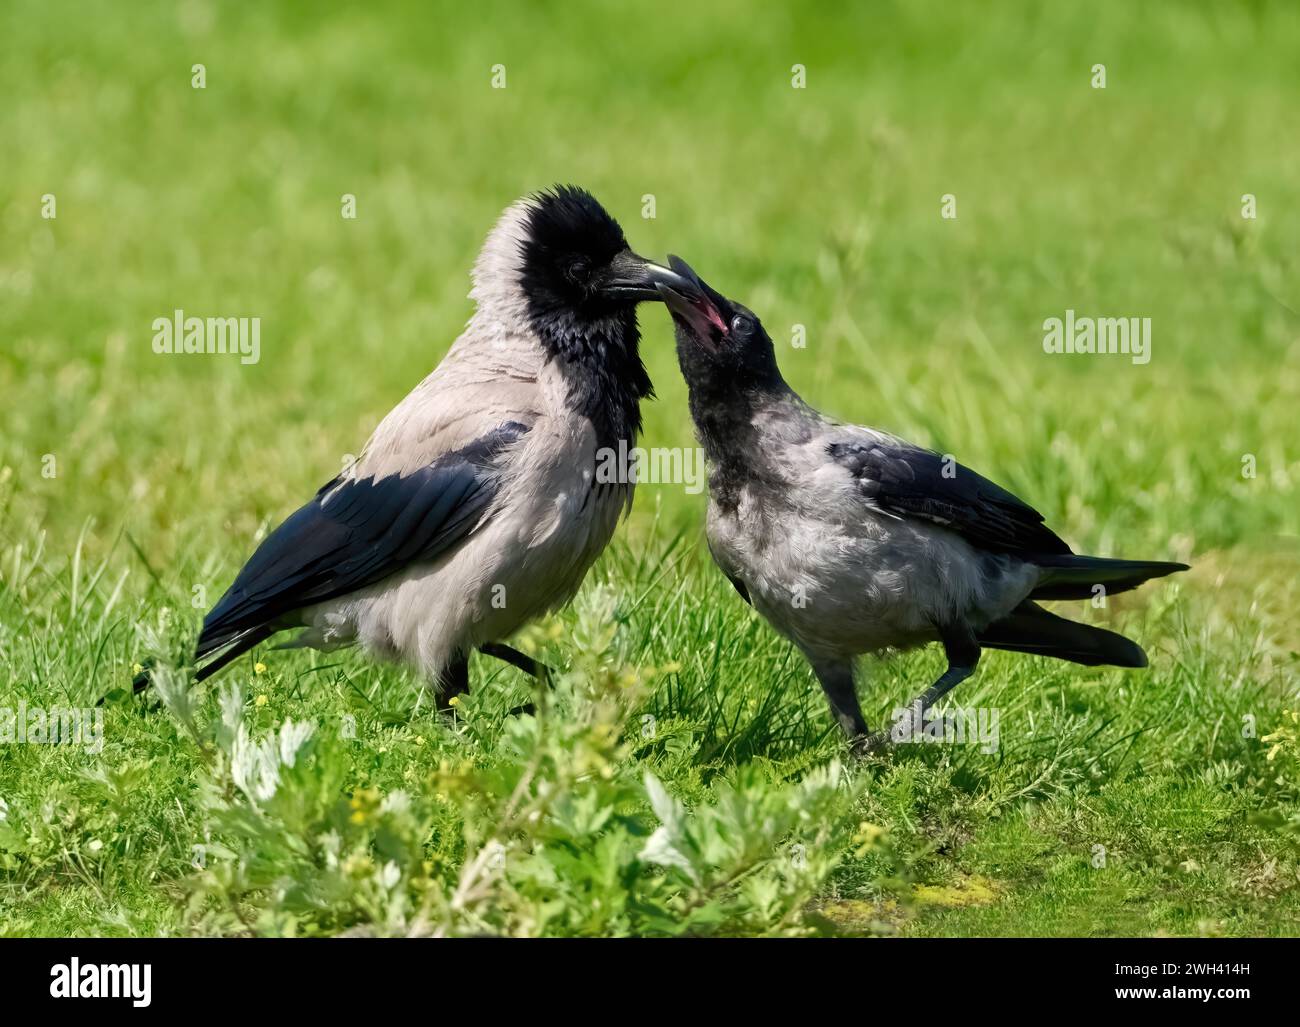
(729, 363)
(725, 345)
(582, 284)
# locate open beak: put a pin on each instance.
(633, 277)
(690, 300)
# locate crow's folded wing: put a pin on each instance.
(357, 531)
(909, 482)
(737, 583)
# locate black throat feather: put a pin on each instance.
(601, 362)
(724, 414)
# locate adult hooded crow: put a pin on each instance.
(850, 541)
(475, 506)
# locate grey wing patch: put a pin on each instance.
(910, 482)
(358, 531)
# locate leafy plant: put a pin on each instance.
(555, 829)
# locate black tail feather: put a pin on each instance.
(1031, 629)
(240, 645)
(1076, 577)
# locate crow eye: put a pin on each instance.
(578, 268)
(740, 324)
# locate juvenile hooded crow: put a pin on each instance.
(474, 507)
(850, 541)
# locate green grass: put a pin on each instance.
(1117, 803)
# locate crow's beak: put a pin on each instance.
(690, 300)
(632, 277)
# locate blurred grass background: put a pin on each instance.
(817, 206)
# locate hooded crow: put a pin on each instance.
(851, 541)
(475, 506)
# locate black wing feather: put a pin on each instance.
(356, 532)
(736, 583)
(912, 482)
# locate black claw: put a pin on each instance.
(871, 745)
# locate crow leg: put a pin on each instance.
(836, 678)
(963, 654)
(509, 654)
(453, 682)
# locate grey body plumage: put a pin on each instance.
(850, 540)
(474, 507)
